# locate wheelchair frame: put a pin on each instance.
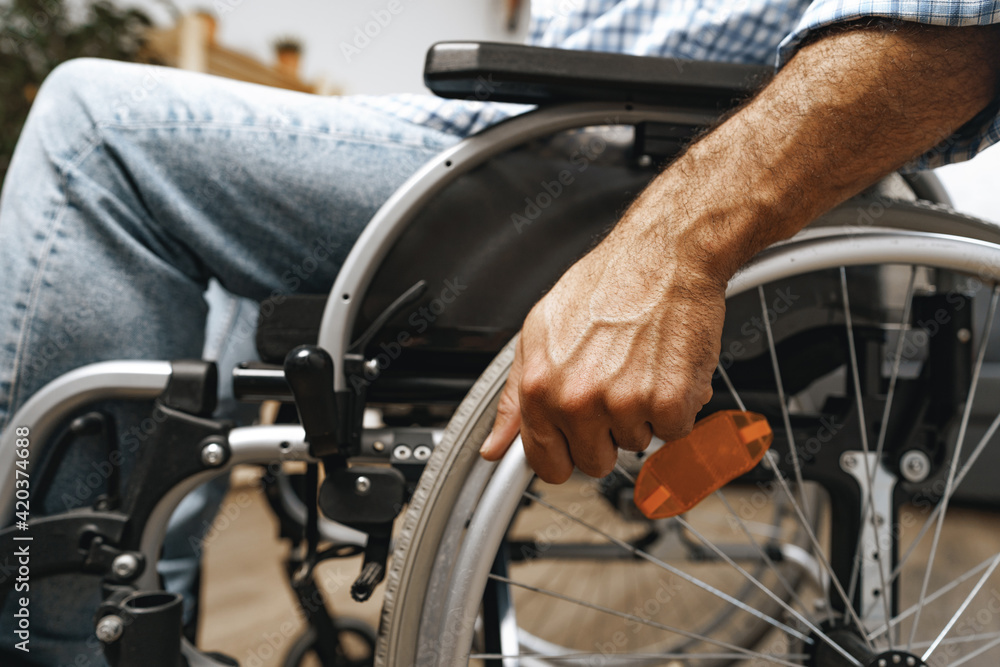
(52, 405)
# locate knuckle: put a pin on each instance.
(578, 401)
(623, 404)
(534, 385)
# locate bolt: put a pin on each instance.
(125, 566)
(212, 454)
(378, 446)
(964, 335)
(422, 453)
(911, 661)
(362, 485)
(915, 466)
(402, 452)
(848, 461)
(645, 160)
(371, 367)
(896, 659)
(110, 629)
(882, 662)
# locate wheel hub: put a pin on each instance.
(848, 641)
(891, 658)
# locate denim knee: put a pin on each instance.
(81, 94)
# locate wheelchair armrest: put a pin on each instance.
(534, 75)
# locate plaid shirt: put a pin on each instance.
(745, 31)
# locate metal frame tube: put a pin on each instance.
(54, 402)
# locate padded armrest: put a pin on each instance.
(535, 75)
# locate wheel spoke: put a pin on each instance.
(961, 610)
(760, 551)
(785, 417)
(651, 658)
(869, 472)
(975, 654)
(732, 389)
(753, 580)
(817, 548)
(959, 478)
(909, 611)
(673, 570)
(897, 360)
(743, 652)
(967, 639)
(953, 467)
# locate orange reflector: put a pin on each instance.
(682, 473)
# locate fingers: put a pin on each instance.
(547, 451)
(508, 419)
(672, 415)
(632, 437)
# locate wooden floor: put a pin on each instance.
(249, 610)
(251, 615)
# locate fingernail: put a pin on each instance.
(487, 444)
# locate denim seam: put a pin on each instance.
(211, 125)
(29, 313)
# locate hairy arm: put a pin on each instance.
(624, 345)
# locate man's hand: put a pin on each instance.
(624, 345)
(622, 348)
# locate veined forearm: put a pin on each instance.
(849, 108)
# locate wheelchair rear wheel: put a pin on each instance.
(867, 350)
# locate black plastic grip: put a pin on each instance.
(309, 374)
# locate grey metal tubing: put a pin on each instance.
(475, 558)
(815, 250)
(54, 402)
(392, 218)
(250, 444)
(812, 251)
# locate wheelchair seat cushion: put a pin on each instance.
(293, 322)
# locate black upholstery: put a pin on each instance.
(508, 264)
(535, 75)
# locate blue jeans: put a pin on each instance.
(133, 186)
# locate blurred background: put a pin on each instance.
(318, 47)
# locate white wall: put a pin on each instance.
(391, 62)
(974, 186)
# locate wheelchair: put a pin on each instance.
(867, 536)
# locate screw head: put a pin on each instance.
(422, 453)
(896, 659)
(915, 465)
(378, 446)
(402, 453)
(848, 461)
(125, 566)
(110, 629)
(362, 485)
(911, 661)
(212, 454)
(964, 335)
